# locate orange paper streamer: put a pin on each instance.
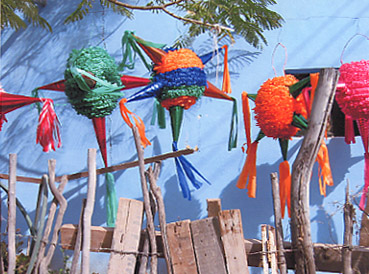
(137, 120)
(246, 117)
(249, 171)
(226, 86)
(325, 174)
(285, 187)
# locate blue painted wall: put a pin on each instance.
(314, 33)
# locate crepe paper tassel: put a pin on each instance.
(233, 135)
(246, 117)
(314, 79)
(324, 173)
(306, 95)
(48, 127)
(349, 130)
(2, 120)
(48, 124)
(111, 200)
(226, 86)
(137, 121)
(213, 92)
(159, 112)
(248, 173)
(186, 169)
(363, 125)
(285, 187)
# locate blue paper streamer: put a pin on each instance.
(185, 168)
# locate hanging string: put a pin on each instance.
(344, 48)
(103, 25)
(285, 58)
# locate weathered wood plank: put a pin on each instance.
(208, 246)
(232, 237)
(214, 207)
(328, 257)
(180, 247)
(126, 237)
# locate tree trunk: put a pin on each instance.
(302, 168)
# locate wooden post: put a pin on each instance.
(12, 213)
(59, 220)
(126, 237)
(264, 248)
(302, 167)
(348, 215)
(144, 253)
(364, 227)
(214, 207)
(272, 250)
(231, 232)
(49, 224)
(278, 223)
(180, 245)
(147, 206)
(77, 246)
(161, 212)
(91, 189)
(208, 246)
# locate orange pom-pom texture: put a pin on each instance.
(182, 58)
(275, 107)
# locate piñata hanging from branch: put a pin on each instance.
(280, 113)
(48, 135)
(178, 81)
(352, 96)
(93, 85)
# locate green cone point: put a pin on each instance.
(176, 117)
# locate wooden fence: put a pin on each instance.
(211, 245)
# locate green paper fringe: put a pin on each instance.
(102, 99)
(174, 92)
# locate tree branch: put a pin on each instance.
(164, 9)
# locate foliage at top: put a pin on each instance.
(12, 9)
(224, 18)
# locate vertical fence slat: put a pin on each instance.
(233, 241)
(12, 213)
(278, 223)
(91, 189)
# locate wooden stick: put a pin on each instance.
(302, 168)
(162, 216)
(104, 170)
(12, 213)
(91, 188)
(272, 250)
(145, 253)
(348, 214)
(264, 249)
(49, 224)
(77, 246)
(59, 219)
(146, 196)
(278, 223)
